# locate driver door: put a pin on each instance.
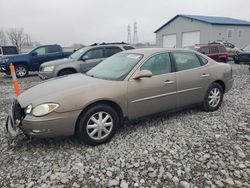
(91, 58)
(38, 56)
(155, 94)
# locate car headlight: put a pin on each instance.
(44, 109)
(48, 68)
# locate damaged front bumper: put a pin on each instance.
(14, 119)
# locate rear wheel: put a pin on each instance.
(21, 71)
(97, 124)
(213, 98)
(66, 72)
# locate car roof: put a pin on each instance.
(148, 51)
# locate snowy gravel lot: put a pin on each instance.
(191, 148)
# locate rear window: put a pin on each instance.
(222, 49)
(214, 49)
(128, 47)
(9, 50)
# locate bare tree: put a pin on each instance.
(3, 39)
(17, 37)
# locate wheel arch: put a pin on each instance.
(66, 68)
(110, 103)
(21, 63)
(221, 83)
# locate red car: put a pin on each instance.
(213, 50)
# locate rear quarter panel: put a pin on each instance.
(222, 72)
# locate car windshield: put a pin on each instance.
(116, 67)
(247, 48)
(77, 54)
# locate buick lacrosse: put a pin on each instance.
(129, 85)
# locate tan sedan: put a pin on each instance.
(126, 86)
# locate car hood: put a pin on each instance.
(58, 62)
(244, 52)
(59, 89)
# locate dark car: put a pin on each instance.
(215, 51)
(31, 61)
(243, 56)
(82, 60)
(8, 50)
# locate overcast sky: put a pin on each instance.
(87, 21)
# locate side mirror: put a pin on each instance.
(84, 58)
(143, 74)
(34, 53)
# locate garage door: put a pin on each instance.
(169, 41)
(190, 38)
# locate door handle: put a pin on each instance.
(204, 75)
(168, 82)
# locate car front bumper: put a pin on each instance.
(51, 125)
(45, 75)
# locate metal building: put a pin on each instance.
(187, 30)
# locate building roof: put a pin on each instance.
(214, 20)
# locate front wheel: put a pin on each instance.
(97, 124)
(213, 98)
(21, 71)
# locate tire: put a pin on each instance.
(66, 72)
(21, 71)
(87, 129)
(212, 101)
(222, 61)
(236, 62)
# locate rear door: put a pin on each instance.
(192, 78)
(54, 52)
(155, 94)
(91, 58)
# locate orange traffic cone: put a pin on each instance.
(15, 82)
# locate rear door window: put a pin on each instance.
(186, 60)
(53, 49)
(214, 49)
(111, 51)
